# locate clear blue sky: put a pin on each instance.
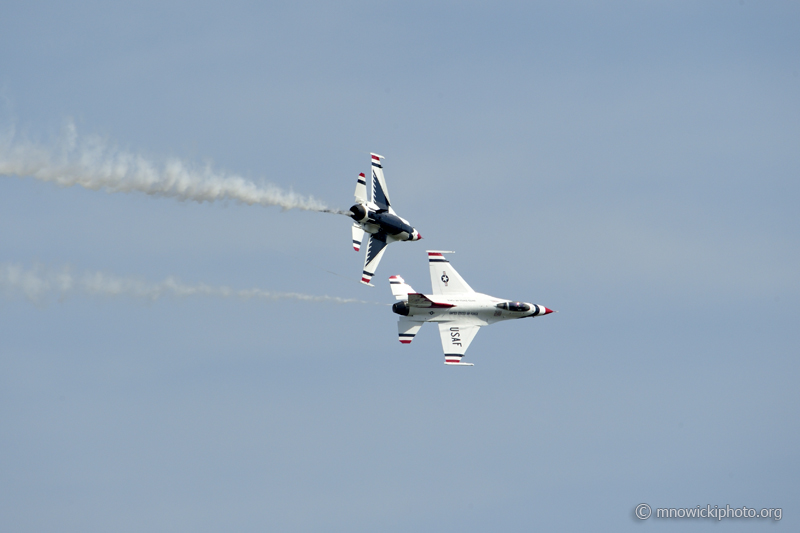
(632, 165)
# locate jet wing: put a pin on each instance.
(456, 338)
(375, 249)
(380, 194)
(444, 278)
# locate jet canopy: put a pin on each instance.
(519, 307)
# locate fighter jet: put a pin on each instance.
(377, 218)
(458, 309)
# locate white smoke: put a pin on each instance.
(40, 284)
(91, 163)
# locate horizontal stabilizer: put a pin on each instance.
(361, 189)
(358, 236)
(400, 289)
(459, 364)
(407, 329)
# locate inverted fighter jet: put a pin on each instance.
(377, 218)
(458, 309)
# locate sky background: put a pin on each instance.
(632, 165)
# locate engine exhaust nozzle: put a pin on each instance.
(400, 308)
(359, 213)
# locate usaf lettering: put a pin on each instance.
(455, 336)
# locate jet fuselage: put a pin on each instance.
(374, 220)
(474, 308)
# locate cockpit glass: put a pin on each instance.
(519, 307)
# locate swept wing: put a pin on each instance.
(456, 338)
(380, 194)
(375, 249)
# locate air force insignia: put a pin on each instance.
(445, 279)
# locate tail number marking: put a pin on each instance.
(455, 336)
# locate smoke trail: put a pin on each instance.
(39, 284)
(92, 163)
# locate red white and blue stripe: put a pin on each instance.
(436, 257)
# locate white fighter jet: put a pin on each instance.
(377, 218)
(458, 309)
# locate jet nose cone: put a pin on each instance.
(416, 236)
(547, 311)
